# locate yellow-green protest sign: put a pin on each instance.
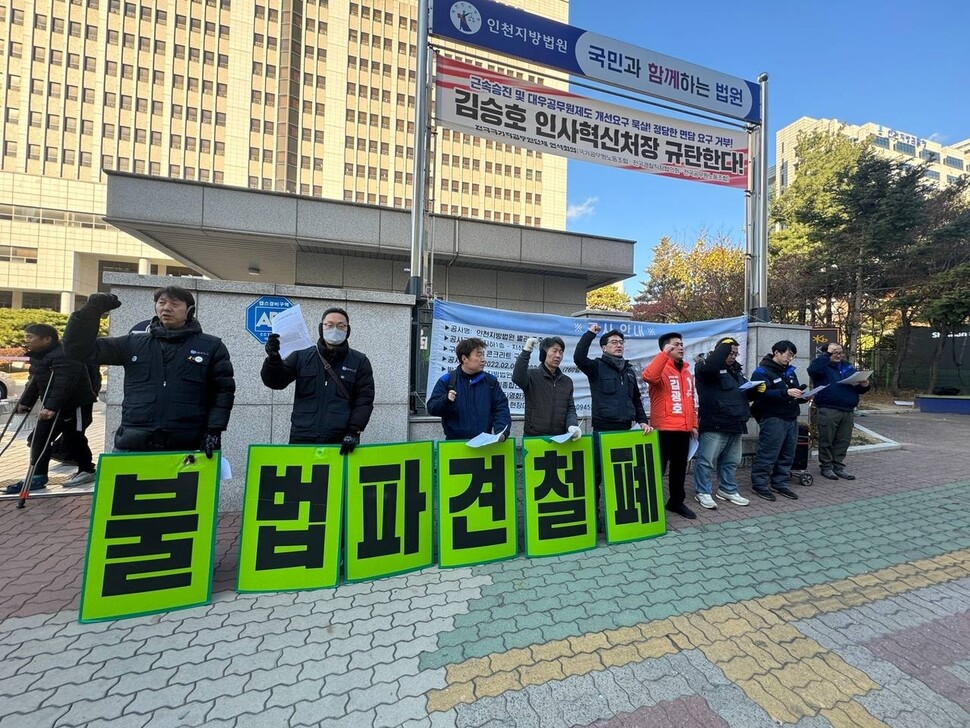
(152, 535)
(476, 503)
(559, 500)
(291, 518)
(632, 486)
(388, 507)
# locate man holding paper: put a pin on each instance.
(549, 405)
(836, 408)
(469, 400)
(777, 414)
(334, 395)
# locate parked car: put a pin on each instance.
(9, 387)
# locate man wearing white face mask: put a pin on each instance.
(334, 394)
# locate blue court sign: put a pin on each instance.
(260, 314)
(500, 28)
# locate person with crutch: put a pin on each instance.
(62, 388)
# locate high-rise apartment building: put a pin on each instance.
(312, 98)
(945, 163)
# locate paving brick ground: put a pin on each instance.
(848, 607)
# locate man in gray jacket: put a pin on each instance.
(549, 406)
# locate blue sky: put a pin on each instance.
(905, 65)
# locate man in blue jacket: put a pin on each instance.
(836, 409)
(468, 399)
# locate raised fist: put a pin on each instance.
(530, 344)
(101, 303)
(595, 328)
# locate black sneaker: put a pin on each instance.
(844, 474)
(682, 510)
(766, 494)
(38, 482)
(787, 492)
(830, 474)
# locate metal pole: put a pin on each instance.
(749, 227)
(762, 212)
(419, 183)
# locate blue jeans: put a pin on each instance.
(776, 451)
(720, 450)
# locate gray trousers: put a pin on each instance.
(834, 435)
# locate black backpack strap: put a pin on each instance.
(453, 380)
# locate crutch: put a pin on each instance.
(25, 488)
(32, 466)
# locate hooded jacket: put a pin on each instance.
(69, 387)
(844, 397)
(321, 412)
(775, 402)
(671, 394)
(179, 383)
(722, 407)
(549, 405)
(613, 386)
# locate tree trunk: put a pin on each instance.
(937, 357)
(902, 341)
(853, 320)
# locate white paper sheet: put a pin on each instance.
(692, 448)
(812, 392)
(903, 403)
(560, 439)
(749, 385)
(293, 331)
(857, 377)
(483, 439)
(225, 469)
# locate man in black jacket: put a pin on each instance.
(64, 391)
(334, 395)
(549, 405)
(722, 419)
(613, 387)
(179, 384)
(613, 383)
(777, 414)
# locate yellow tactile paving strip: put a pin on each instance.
(788, 674)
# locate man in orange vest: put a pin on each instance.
(672, 412)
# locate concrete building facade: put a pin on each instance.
(313, 98)
(945, 163)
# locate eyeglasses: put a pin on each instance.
(327, 326)
(615, 342)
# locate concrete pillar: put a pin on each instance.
(67, 302)
(17, 299)
(144, 267)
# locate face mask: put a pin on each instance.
(334, 336)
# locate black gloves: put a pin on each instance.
(350, 441)
(100, 303)
(212, 442)
(273, 346)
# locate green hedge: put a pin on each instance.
(13, 321)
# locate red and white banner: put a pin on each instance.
(485, 103)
